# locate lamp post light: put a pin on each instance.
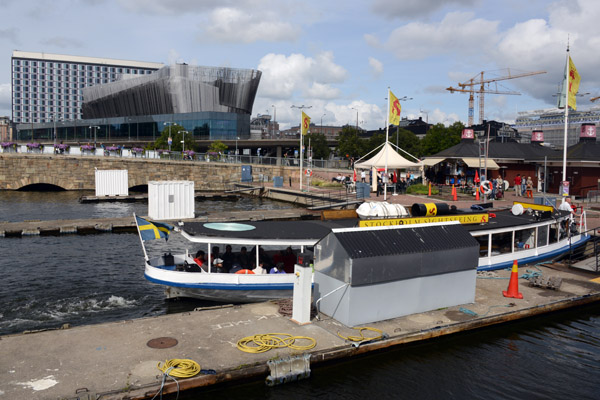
(183, 140)
(170, 139)
(322, 122)
(95, 127)
(236, 147)
(356, 109)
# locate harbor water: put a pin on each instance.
(49, 281)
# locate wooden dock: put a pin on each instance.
(127, 224)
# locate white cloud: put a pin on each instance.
(457, 34)
(415, 8)
(236, 25)
(376, 67)
(287, 76)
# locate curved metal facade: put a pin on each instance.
(176, 89)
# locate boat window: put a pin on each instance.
(542, 238)
(524, 239)
(553, 233)
(502, 243)
(483, 245)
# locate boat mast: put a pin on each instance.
(140, 235)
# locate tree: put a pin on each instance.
(349, 144)
(217, 147)
(408, 142)
(318, 143)
(176, 133)
(440, 138)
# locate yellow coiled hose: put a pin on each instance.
(180, 368)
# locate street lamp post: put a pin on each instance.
(95, 127)
(322, 122)
(236, 147)
(301, 138)
(183, 141)
(356, 109)
(170, 139)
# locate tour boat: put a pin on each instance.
(527, 233)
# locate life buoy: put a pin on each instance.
(486, 187)
(245, 271)
(308, 172)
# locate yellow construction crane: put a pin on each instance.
(470, 87)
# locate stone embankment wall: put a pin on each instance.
(78, 172)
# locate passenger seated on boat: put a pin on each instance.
(244, 259)
(217, 262)
(199, 258)
(278, 257)
(289, 260)
(235, 267)
(264, 260)
(228, 258)
(278, 269)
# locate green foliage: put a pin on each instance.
(408, 142)
(176, 133)
(349, 144)
(217, 147)
(421, 189)
(440, 138)
(318, 143)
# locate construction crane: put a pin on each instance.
(594, 99)
(470, 87)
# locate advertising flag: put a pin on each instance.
(395, 109)
(573, 88)
(305, 123)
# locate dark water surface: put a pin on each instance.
(87, 279)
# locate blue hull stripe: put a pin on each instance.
(224, 286)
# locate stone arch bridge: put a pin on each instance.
(18, 171)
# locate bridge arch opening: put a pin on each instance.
(139, 188)
(41, 187)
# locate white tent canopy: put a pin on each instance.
(393, 161)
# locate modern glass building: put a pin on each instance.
(209, 102)
(48, 87)
(552, 123)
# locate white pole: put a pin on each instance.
(140, 235)
(387, 132)
(566, 89)
(301, 140)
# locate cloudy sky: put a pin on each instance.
(335, 56)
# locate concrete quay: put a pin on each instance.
(114, 360)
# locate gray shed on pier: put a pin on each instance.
(364, 275)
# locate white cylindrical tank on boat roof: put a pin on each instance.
(112, 182)
(170, 199)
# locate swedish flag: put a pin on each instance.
(153, 230)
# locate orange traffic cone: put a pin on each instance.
(477, 193)
(429, 190)
(513, 284)
(454, 198)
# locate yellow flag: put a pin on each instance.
(395, 109)
(574, 80)
(305, 123)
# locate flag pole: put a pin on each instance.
(387, 130)
(566, 90)
(301, 156)
(140, 235)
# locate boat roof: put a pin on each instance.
(308, 233)
(300, 233)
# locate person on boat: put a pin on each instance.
(529, 187)
(216, 260)
(517, 182)
(264, 260)
(567, 206)
(228, 258)
(244, 258)
(199, 258)
(289, 260)
(235, 267)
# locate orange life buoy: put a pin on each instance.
(486, 187)
(308, 172)
(245, 271)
